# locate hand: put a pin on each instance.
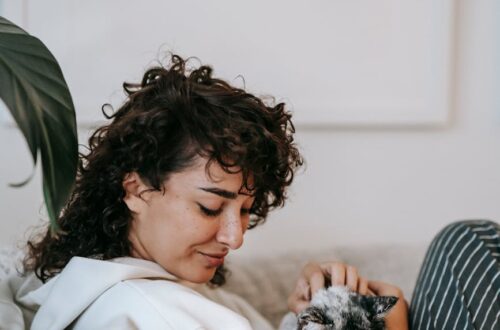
(314, 276)
(397, 317)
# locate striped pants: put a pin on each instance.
(459, 283)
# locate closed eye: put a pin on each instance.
(210, 212)
(214, 213)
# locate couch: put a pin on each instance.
(265, 282)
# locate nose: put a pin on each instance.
(231, 231)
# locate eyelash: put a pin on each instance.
(210, 212)
(214, 213)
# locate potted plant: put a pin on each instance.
(33, 88)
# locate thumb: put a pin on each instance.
(384, 289)
(297, 305)
(377, 287)
(300, 306)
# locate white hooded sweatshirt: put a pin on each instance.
(122, 293)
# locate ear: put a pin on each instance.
(133, 186)
(378, 306)
(311, 318)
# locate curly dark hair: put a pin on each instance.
(174, 115)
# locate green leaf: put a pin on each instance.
(35, 92)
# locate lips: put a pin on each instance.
(215, 255)
(214, 259)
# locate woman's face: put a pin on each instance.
(192, 225)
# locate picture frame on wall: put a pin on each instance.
(334, 63)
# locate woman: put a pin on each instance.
(167, 189)
(165, 192)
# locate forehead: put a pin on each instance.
(202, 174)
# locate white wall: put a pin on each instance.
(363, 185)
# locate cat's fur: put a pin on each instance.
(338, 308)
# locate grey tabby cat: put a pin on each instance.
(338, 308)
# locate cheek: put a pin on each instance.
(198, 230)
(180, 227)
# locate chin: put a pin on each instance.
(202, 276)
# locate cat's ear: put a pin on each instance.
(311, 318)
(378, 306)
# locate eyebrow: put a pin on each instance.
(223, 193)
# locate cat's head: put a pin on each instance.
(338, 308)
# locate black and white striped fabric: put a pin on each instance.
(459, 283)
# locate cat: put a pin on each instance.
(338, 308)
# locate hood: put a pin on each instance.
(83, 280)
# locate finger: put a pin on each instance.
(352, 278)
(316, 282)
(337, 271)
(371, 293)
(303, 289)
(363, 286)
(296, 303)
(314, 276)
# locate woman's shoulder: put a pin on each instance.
(237, 304)
(151, 303)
